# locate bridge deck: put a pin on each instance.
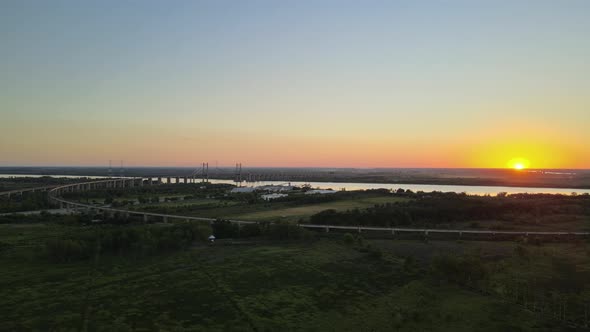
(56, 190)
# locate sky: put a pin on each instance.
(296, 83)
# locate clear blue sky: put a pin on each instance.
(339, 83)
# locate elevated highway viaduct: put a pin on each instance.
(55, 195)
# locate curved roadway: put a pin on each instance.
(55, 196)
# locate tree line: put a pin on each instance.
(124, 240)
(560, 293)
(436, 208)
(224, 229)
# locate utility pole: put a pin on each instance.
(205, 172)
(238, 178)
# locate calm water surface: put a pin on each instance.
(471, 190)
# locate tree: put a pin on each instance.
(348, 239)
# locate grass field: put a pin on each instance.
(262, 211)
(303, 212)
(307, 286)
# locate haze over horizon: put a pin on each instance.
(380, 84)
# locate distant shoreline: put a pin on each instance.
(466, 182)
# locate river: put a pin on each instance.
(471, 190)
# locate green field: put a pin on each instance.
(305, 211)
(258, 285)
(263, 211)
(121, 274)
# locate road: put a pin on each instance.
(24, 190)
(54, 195)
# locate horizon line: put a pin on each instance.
(290, 167)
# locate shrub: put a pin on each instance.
(66, 250)
(286, 231)
(348, 239)
(374, 252)
(225, 229)
(521, 251)
(250, 230)
(4, 246)
(461, 270)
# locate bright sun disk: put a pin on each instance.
(518, 164)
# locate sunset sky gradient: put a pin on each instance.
(295, 83)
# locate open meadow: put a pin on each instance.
(255, 284)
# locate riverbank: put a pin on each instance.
(530, 178)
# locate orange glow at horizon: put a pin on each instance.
(524, 145)
(518, 163)
(531, 147)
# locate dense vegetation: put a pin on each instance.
(139, 241)
(112, 273)
(346, 283)
(435, 209)
(26, 202)
(277, 231)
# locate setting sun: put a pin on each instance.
(518, 163)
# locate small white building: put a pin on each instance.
(277, 188)
(320, 192)
(212, 238)
(242, 190)
(269, 197)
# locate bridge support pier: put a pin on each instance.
(166, 220)
(145, 218)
